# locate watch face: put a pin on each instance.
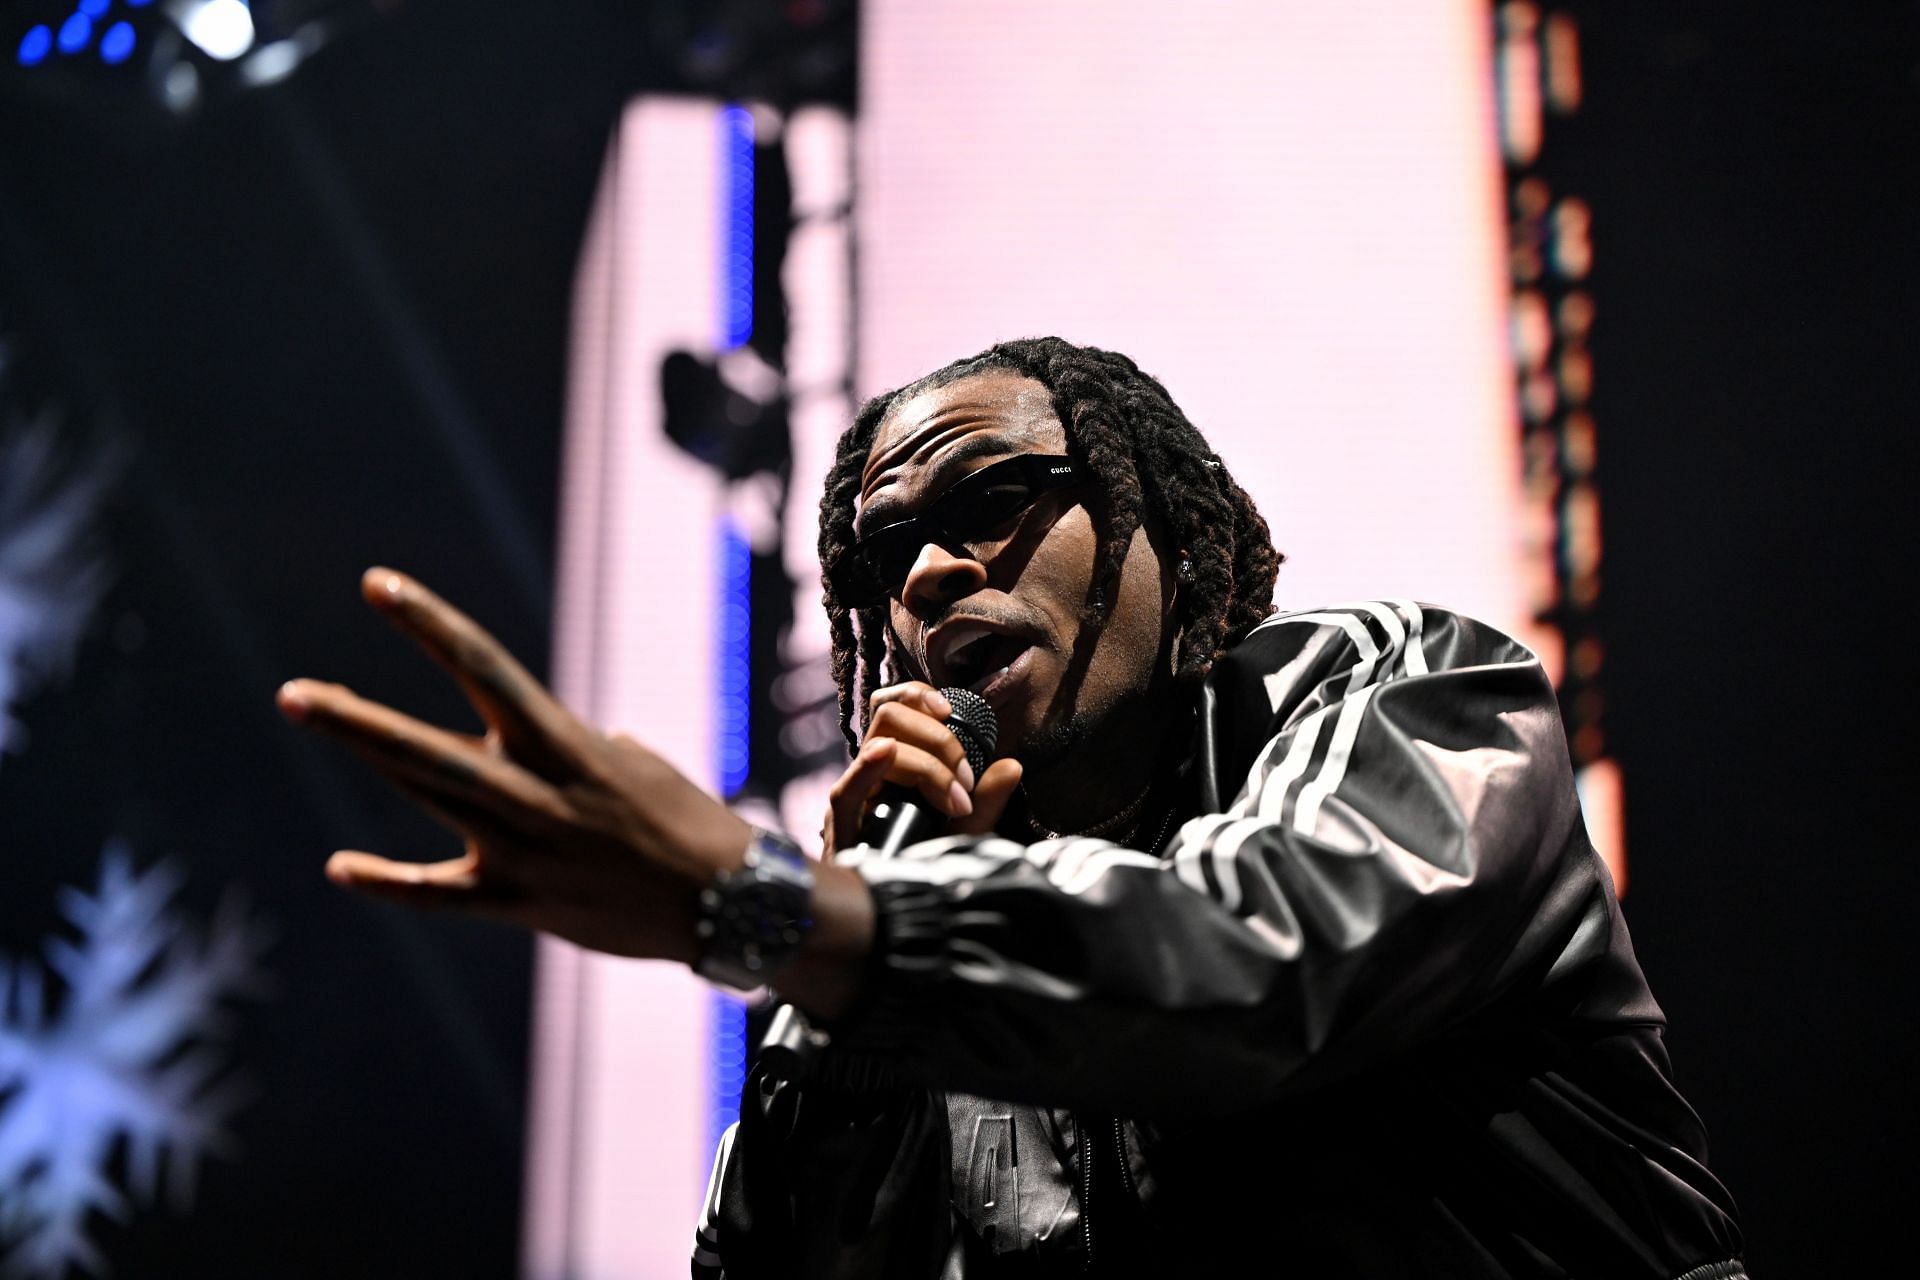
(753, 919)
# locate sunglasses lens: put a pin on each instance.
(877, 567)
(986, 510)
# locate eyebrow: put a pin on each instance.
(887, 510)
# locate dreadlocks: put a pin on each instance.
(1144, 456)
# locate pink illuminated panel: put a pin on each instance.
(1289, 212)
(618, 1153)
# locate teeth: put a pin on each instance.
(964, 654)
(980, 683)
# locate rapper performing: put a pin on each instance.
(954, 639)
(1227, 936)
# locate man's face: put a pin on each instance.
(1002, 614)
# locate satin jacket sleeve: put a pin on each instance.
(1387, 847)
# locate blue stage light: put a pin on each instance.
(93, 8)
(75, 32)
(34, 46)
(138, 4)
(736, 264)
(117, 45)
(733, 741)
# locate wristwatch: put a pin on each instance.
(752, 920)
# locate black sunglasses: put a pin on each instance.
(976, 506)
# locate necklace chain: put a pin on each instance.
(1119, 827)
(1103, 827)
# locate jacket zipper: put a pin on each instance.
(1088, 1155)
(1085, 1143)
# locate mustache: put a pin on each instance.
(915, 655)
(993, 615)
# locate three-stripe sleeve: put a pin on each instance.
(1397, 845)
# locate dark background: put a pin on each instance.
(1752, 171)
(326, 326)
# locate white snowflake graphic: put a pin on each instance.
(132, 1054)
(50, 577)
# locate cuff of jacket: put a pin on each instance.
(880, 1040)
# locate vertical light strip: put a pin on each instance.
(736, 239)
(1550, 255)
(733, 624)
(622, 1085)
(733, 632)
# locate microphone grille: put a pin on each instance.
(974, 723)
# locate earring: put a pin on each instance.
(1185, 572)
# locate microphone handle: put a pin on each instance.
(899, 818)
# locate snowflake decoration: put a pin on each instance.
(131, 1055)
(50, 577)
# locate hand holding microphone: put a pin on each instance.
(922, 771)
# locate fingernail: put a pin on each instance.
(966, 774)
(388, 588)
(959, 800)
(940, 704)
(293, 703)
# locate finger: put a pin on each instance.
(854, 790)
(914, 693)
(932, 777)
(424, 885)
(443, 764)
(906, 723)
(997, 787)
(532, 723)
(455, 882)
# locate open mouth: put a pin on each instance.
(983, 660)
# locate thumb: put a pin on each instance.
(990, 797)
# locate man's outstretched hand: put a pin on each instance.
(587, 836)
(591, 837)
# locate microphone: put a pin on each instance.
(900, 815)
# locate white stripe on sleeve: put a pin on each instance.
(1416, 656)
(1334, 768)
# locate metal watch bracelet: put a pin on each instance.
(752, 920)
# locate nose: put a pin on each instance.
(938, 578)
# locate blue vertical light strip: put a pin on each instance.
(736, 227)
(734, 665)
(734, 626)
(734, 631)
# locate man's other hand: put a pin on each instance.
(909, 745)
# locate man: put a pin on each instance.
(1267, 941)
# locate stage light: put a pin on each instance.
(221, 29)
(35, 45)
(75, 32)
(117, 45)
(93, 8)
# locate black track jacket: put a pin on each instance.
(1371, 1011)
